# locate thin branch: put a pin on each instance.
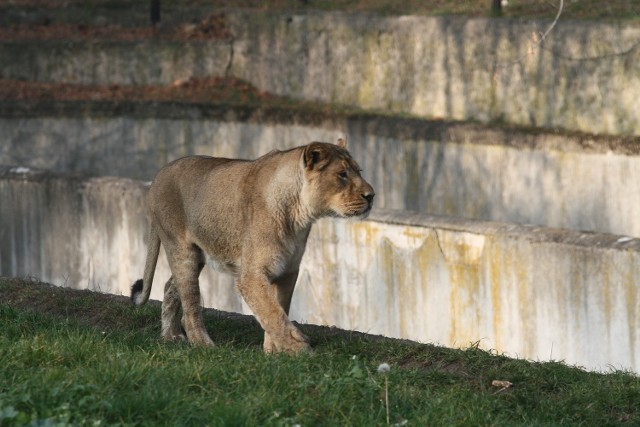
(553, 24)
(628, 51)
(535, 42)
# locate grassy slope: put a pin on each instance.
(84, 358)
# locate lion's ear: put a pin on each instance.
(316, 155)
(342, 143)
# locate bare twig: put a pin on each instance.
(386, 396)
(504, 385)
(553, 24)
(536, 41)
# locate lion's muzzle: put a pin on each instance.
(367, 202)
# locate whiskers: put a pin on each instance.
(355, 209)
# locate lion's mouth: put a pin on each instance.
(360, 212)
(366, 211)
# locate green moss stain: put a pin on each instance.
(632, 298)
(495, 285)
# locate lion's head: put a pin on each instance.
(334, 186)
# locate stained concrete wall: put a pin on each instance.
(106, 62)
(581, 182)
(585, 76)
(534, 293)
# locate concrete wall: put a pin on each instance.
(104, 62)
(586, 76)
(533, 293)
(580, 182)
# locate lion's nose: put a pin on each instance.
(369, 196)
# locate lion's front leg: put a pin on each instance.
(283, 288)
(280, 333)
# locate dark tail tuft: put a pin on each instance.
(136, 288)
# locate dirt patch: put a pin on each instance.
(212, 27)
(208, 89)
(583, 9)
(115, 312)
(86, 307)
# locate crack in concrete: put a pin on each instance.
(435, 231)
(227, 71)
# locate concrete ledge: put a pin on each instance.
(531, 292)
(576, 181)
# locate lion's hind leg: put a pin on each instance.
(171, 325)
(186, 264)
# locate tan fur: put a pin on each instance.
(252, 219)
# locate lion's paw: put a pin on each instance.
(177, 338)
(202, 340)
(293, 341)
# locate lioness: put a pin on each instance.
(251, 219)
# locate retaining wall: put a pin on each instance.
(585, 76)
(582, 182)
(534, 293)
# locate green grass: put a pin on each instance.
(79, 358)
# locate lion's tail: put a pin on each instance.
(141, 289)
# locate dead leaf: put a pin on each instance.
(503, 384)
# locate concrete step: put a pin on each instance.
(576, 181)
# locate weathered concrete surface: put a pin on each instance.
(105, 62)
(534, 293)
(82, 233)
(136, 139)
(572, 181)
(530, 292)
(585, 76)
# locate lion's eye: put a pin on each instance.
(343, 175)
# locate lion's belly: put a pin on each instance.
(224, 266)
